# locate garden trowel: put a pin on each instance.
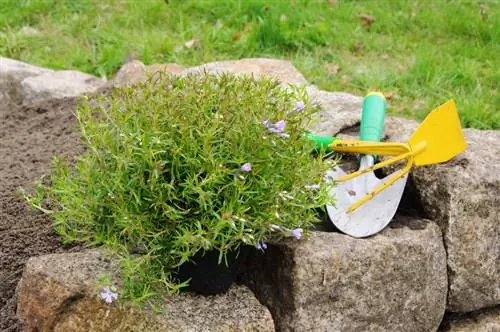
(365, 204)
(374, 215)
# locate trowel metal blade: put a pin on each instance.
(371, 217)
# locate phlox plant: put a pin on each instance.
(176, 166)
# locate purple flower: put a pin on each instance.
(299, 106)
(246, 167)
(297, 233)
(261, 245)
(108, 294)
(278, 127)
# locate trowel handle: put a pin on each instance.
(322, 142)
(373, 117)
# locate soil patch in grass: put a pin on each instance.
(29, 137)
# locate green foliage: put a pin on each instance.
(162, 173)
(421, 53)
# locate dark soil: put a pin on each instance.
(28, 140)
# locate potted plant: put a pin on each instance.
(181, 172)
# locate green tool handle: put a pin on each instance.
(372, 123)
(373, 117)
(322, 142)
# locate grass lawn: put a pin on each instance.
(420, 53)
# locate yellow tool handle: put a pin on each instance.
(373, 148)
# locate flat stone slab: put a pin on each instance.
(57, 85)
(12, 72)
(338, 110)
(393, 281)
(282, 70)
(59, 293)
(135, 72)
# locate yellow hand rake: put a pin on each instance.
(438, 139)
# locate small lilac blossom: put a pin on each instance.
(278, 127)
(266, 123)
(297, 233)
(299, 106)
(312, 186)
(261, 245)
(246, 167)
(108, 294)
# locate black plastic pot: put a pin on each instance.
(208, 277)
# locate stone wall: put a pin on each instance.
(442, 260)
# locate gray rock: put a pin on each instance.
(12, 73)
(484, 321)
(171, 68)
(59, 293)
(131, 73)
(338, 111)
(57, 85)
(463, 197)
(134, 72)
(282, 70)
(393, 281)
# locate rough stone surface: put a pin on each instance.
(164, 67)
(463, 197)
(338, 111)
(57, 85)
(282, 70)
(393, 281)
(134, 72)
(58, 293)
(484, 321)
(12, 72)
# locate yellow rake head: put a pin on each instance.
(438, 139)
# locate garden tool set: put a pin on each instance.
(365, 204)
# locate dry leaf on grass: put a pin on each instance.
(391, 95)
(332, 68)
(366, 20)
(482, 11)
(236, 36)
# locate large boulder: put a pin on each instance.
(463, 197)
(281, 70)
(393, 281)
(12, 73)
(59, 293)
(57, 85)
